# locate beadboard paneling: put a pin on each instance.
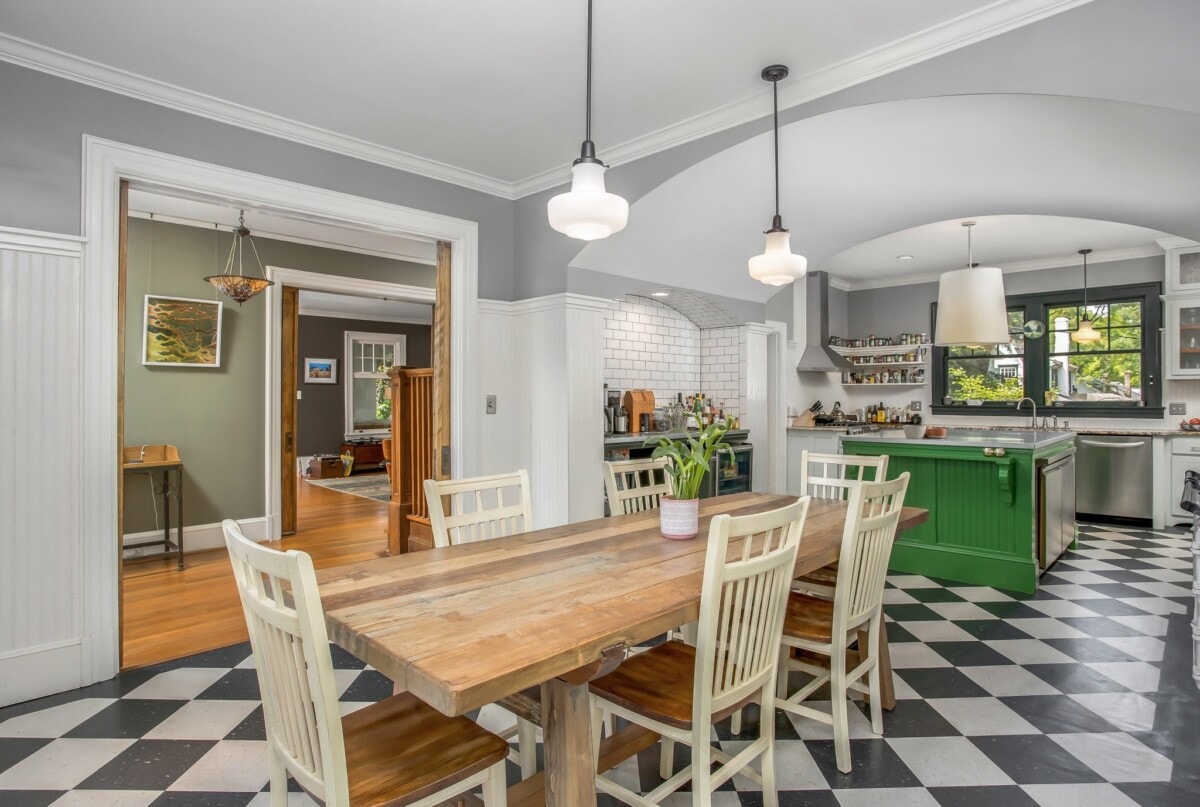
(41, 401)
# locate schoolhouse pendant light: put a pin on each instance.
(240, 287)
(971, 310)
(1085, 334)
(588, 211)
(777, 266)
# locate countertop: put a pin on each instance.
(1084, 430)
(638, 440)
(1014, 439)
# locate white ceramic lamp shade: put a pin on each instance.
(777, 266)
(588, 211)
(971, 308)
(1086, 333)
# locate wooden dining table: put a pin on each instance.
(469, 625)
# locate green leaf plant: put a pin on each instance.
(688, 458)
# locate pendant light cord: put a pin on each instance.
(775, 96)
(1085, 305)
(588, 116)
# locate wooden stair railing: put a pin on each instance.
(412, 453)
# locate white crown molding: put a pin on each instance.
(838, 283)
(64, 65)
(1019, 266)
(354, 286)
(1175, 242)
(294, 239)
(69, 246)
(997, 18)
(317, 312)
(550, 302)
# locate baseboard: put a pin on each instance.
(200, 537)
(34, 672)
(971, 567)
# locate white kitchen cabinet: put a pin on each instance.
(1181, 327)
(1183, 270)
(819, 441)
(1185, 456)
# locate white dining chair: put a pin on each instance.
(477, 509)
(396, 751)
(635, 485)
(829, 628)
(831, 476)
(679, 691)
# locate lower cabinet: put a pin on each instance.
(817, 441)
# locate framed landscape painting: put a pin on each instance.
(179, 332)
(320, 371)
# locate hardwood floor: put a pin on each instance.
(169, 614)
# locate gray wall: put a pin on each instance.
(321, 412)
(214, 416)
(44, 119)
(602, 284)
(905, 309)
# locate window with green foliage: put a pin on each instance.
(1115, 376)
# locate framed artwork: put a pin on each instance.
(179, 332)
(320, 371)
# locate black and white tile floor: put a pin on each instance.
(1079, 695)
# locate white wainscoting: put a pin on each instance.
(42, 537)
(544, 360)
(754, 402)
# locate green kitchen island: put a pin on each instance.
(1001, 503)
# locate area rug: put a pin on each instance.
(369, 486)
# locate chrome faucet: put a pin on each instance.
(1033, 422)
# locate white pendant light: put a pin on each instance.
(971, 308)
(588, 211)
(1085, 334)
(777, 266)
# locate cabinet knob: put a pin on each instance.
(989, 452)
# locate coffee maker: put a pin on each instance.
(612, 411)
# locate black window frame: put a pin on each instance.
(1037, 356)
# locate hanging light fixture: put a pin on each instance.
(1085, 334)
(777, 266)
(588, 211)
(240, 287)
(971, 308)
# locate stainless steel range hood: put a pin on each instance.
(818, 357)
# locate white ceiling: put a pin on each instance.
(272, 224)
(1014, 243)
(483, 93)
(324, 304)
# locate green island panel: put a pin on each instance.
(982, 527)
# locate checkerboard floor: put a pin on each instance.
(1079, 695)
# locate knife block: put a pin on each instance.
(804, 420)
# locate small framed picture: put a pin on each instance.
(180, 332)
(320, 371)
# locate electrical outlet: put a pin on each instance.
(914, 406)
(490, 405)
(1177, 408)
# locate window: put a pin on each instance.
(369, 356)
(1117, 376)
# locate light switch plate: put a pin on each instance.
(490, 405)
(1177, 408)
(914, 406)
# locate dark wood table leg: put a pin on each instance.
(179, 504)
(567, 744)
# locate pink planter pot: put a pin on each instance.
(679, 519)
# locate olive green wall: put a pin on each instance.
(215, 416)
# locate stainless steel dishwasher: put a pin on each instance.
(1114, 477)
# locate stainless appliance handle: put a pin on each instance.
(1097, 444)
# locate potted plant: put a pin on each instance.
(687, 459)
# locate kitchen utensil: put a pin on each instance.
(934, 432)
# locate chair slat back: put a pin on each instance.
(872, 516)
(748, 571)
(283, 613)
(467, 510)
(831, 476)
(635, 485)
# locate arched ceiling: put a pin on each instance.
(853, 175)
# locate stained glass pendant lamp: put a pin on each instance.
(1085, 334)
(588, 211)
(240, 287)
(971, 309)
(777, 266)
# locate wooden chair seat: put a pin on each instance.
(400, 750)
(659, 684)
(809, 618)
(825, 576)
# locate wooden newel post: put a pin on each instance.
(399, 505)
